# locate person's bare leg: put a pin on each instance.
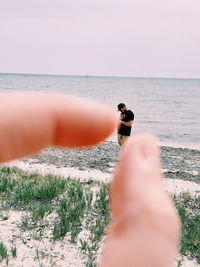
(144, 230)
(124, 140)
(119, 139)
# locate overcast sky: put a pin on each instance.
(145, 38)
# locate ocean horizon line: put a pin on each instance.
(169, 108)
(100, 76)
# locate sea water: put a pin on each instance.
(166, 107)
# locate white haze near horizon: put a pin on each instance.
(140, 38)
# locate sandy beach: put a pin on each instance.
(180, 167)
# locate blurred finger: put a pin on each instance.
(144, 227)
(32, 121)
(138, 194)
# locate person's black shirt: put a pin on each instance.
(128, 116)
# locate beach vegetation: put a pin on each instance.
(40, 211)
(14, 251)
(26, 223)
(3, 253)
(78, 212)
(188, 208)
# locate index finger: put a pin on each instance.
(32, 121)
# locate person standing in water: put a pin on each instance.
(125, 123)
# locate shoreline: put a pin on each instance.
(105, 155)
(180, 166)
(190, 146)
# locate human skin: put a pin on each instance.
(30, 122)
(144, 229)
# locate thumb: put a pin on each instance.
(144, 229)
(138, 172)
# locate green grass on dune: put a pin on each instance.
(74, 204)
(189, 211)
(77, 206)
